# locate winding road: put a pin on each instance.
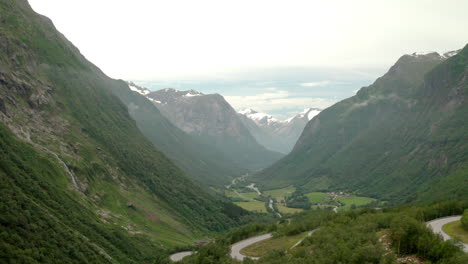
(437, 224)
(237, 247)
(180, 255)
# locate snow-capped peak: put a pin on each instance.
(261, 119)
(308, 113)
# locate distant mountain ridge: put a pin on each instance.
(403, 138)
(274, 134)
(211, 120)
(201, 161)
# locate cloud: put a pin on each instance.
(316, 84)
(276, 101)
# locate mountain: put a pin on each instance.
(201, 161)
(211, 120)
(274, 134)
(79, 181)
(402, 138)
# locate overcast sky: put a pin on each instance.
(176, 41)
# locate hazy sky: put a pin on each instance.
(176, 41)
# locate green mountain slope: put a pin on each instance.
(403, 137)
(75, 167)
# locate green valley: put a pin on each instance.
(101, 170)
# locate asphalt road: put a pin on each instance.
(180, 255)
(237, 247)
(437, 224)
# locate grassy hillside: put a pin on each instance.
(402, 138)
(43, 222)
(76, 168)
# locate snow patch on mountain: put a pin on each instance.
(138, 89)
(424, 53)
(262, 118)
(308, 113)
(154, 100)
(445, 55)
(192, 93)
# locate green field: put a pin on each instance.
(455, 229)
(317, 197)
(250, 195)
(253, 206)
(286, 210)
(240, 195)
(280, 194)
(279, 243)
(356, 200)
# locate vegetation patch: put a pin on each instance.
(351, 202)
(286, 210)
(455, 229)
(464, 220)
(253, 206)
(317, 197)
(281, 194)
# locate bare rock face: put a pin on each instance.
(212, 119)
(2, 106)
(201, 114)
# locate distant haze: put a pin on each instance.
(180, 42)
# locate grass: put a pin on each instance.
(240, 195)
(250, 195)
(253, 206)
(356, 200)
(280, 194)
(278, 243)
(286, 210)
(234, 195)
(454, 229)
(317, 197)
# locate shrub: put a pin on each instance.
(464, 220)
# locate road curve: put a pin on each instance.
(180, 255)
(437, 224)
(237, 247)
